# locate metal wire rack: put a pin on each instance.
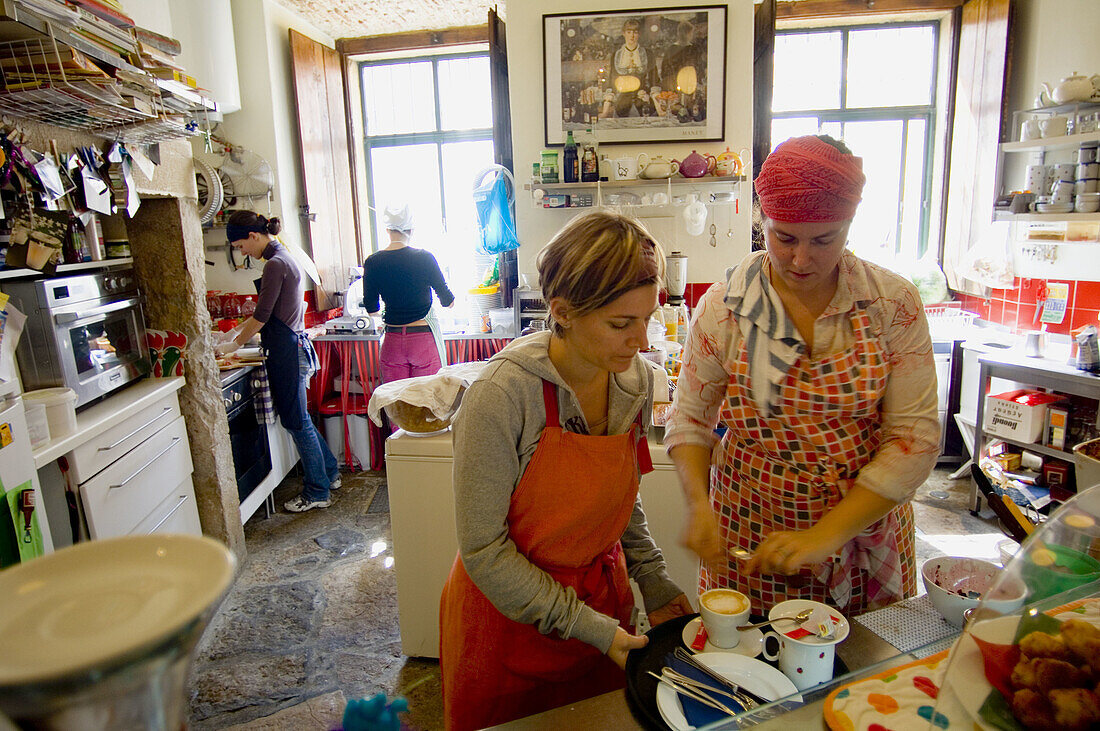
(34, 85)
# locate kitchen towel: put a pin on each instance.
(261, 401)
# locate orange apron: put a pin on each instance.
(566, 517)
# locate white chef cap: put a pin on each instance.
(398, 217)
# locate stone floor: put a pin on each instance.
(311, 621)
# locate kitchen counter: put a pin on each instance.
(337, 336)
(112, 410)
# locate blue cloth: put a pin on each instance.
(318, 462)
(695, 712)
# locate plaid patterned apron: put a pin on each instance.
(784, 471)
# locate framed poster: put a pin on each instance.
(655, 75)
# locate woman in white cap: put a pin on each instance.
(403, 278)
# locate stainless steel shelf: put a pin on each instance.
(66, 268)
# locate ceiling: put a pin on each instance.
(360, 18)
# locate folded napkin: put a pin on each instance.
(695, 712)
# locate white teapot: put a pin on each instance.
(1074, 88)
(655, 168)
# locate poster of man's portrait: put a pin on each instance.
(648, 76)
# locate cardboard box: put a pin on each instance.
(1017, 415)
(1057, 424)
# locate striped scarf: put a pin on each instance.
(771, 339)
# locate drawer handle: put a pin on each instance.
(142, 468)
(183, 499)
(135, 431)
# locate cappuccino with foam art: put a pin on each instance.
(723, 610)
(725, 601)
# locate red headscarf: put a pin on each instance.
(807, 179)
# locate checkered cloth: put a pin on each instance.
(261, 396)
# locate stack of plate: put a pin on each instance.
(1054, 207)
(483, 299)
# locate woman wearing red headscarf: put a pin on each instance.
(820, 366)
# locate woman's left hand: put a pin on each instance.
(786, 552)
(678, 607)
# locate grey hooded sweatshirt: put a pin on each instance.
(495, 435)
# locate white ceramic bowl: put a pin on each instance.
(956, 584)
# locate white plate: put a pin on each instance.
(752, 675)
(752, 641)
(89, 604)
(1054, 207)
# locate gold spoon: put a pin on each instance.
(801, 616)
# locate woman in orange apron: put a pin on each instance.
(549, 448)
(820, 366)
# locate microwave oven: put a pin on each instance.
(84, 332)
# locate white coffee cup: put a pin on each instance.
(624, 168)
(1056, 126)
(1029, 130)
(723, 611)
(807, 661)
(1086, 154)
(1061, 192)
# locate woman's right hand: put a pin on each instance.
(701, 533)
(623, 643)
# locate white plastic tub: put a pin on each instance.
(358, 434)
(60, 406)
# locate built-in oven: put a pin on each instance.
(247, 431)
(84, 332)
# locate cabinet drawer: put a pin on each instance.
(94, 455)
(125, 493)
(176, 514)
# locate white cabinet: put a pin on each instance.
(418, 472)
(128, 466)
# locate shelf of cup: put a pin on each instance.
(677, 181)
(1051, 143)
(1049, 217)
(1059, 108)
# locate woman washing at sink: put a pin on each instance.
(820, 366)
(280, 320)
(403, 278)
(548, 449)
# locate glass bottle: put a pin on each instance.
(569, 160)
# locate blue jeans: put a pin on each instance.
(318, 462)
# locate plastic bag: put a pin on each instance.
(494, 210)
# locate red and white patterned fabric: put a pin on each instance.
(785, 471)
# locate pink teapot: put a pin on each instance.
(696, 165)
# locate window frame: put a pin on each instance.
(438, 137)
(903, 114)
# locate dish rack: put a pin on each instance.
(947, 319)
(41, 82)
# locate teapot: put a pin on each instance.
(1074, 88)
(656, 168)
(729, 162)
(696, 165)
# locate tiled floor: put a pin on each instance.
(312, 619)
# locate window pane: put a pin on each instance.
(890, 67)
(874, 230)
(912, 205)
(407, 174)
(465, 100)
(398, 98)
(787, 127)
(462, 161)
(807, 71)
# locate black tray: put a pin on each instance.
(641, 687)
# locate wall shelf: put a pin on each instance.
(1051, 143)
(83, 266)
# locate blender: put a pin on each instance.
(675, 310)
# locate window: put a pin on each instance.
(428, 132)
(874, 87)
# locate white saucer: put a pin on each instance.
(752, 641)
(1054, 207)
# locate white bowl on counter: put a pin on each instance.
(957, 583)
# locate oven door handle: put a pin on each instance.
(135, 431)
(68, 318)
(142, 468)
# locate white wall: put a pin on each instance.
(1052, 39)
(267, 122)
(525, 74)
(153, 15)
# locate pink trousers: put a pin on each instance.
(406, 355)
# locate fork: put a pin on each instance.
(744, 698)
(694, 694)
